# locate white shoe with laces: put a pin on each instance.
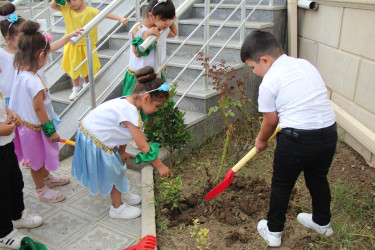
(27, 221)
(12, 240)
(306, 220)
(132, 199)
(124, 211)
(273, 239)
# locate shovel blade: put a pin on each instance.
(222, 185)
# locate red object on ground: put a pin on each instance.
(148, 242)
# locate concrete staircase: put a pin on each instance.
(197, 102)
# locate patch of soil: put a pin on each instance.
(232, 216)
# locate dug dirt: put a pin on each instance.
(232, 216)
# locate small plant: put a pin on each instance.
(171, 190)
(168, 127)
(201, 235)
(222, 77)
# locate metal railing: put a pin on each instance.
(207, 38)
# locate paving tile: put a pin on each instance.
(94, 207)
(100, 236)
(59, 228)
(131, 227)
(36, 207)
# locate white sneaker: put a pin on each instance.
(73, 95)
(132, 199)
(86, 84)
(124, 212)
(28, 221)
(273, 238)
(12, 240)
(306, 221)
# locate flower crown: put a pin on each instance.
(163, 87)
(159, 2)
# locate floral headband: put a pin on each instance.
(159, 2)
(163, 87)
(48, 38)
(12, 18)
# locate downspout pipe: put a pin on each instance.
(306, 4)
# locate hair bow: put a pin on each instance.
(12, 18)
(162, 1)
(48, 37)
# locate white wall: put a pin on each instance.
(339, 39)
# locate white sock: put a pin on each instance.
(76, 88)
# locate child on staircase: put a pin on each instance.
(99, 159)
(76, 15)
(159, 16)
(36, 140)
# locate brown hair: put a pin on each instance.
(164, 10)
(147, 80)
(30, 44)
(13, 30)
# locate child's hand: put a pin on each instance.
(260, 145)
(76, 32)
(54, 137)
(124, 21)
(7, 127)
(15, 118)
(153, 31)
(164, 171)
(124, 156)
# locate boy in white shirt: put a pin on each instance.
(293, 94)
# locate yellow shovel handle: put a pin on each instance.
(252, 152)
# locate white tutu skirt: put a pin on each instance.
(97, 166)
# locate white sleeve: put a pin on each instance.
(266, 100)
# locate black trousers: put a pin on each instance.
(11, 185)
(310, 151)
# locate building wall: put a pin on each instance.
(339, 39)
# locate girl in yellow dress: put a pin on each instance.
(76, 15)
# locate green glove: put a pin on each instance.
(149, 156)
(138, 41)
(60, 2)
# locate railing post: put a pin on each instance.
(91, 71)
(206, 37)
(270, 3)
(158, 58)
(137, 11)
(89, 2)
(243, 16)
(31, 9)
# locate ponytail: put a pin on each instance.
(30, 44)
(147, 80)
(9, 28)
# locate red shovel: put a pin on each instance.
(69, 142)
(146, 243)
(229, 176)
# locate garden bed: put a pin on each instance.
(231, 217)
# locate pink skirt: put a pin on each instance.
(34, 147)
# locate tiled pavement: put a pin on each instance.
(81, 221)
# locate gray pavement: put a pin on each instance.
(81, 221)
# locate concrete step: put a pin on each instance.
(264, 13)
(186, 27)
(177, 63)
